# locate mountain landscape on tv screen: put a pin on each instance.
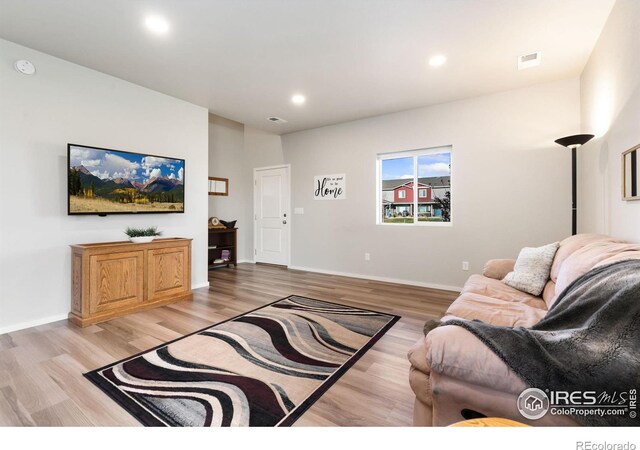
(105, 181)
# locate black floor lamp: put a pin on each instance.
(573, 142)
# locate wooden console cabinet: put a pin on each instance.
(116, 278)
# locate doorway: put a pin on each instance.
(271, 213)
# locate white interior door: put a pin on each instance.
(271, 214)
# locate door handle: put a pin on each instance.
(284, 222)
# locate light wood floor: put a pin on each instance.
(41, 368)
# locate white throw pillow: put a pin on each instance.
(532, 268)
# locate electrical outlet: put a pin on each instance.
(465, 265)
(367, 257)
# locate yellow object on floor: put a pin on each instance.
(489, 422)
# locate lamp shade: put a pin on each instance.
(574, 141)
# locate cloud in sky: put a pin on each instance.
(111, 164)
(438, 169)
(434, 165)
(103, 164)
(90, 162)
(102, 175)
(150, 163)
(393, 169)
(129, 175)
(117, 166)
(155, 173)
(429, 165)
(80, 155)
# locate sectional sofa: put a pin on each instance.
(455, 376)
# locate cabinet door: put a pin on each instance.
(168, 272)
(116, 281)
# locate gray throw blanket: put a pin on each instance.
(588, 341)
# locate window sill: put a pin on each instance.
(419, 224)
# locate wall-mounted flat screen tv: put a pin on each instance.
(104, 181)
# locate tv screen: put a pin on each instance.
(103, 181)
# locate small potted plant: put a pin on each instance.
(140, 235)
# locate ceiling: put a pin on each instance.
(244, 59)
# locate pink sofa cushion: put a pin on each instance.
(455, 352)
(478, 284)
(418, 356)
(495, 311)
(586, 258)
(420, 383)
(549, 293)
(498, 268)
(572, 244)
(627, 254)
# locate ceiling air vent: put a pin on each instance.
(530, 60)
(276, 120)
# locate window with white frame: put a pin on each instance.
(414, 187)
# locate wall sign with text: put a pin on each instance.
(330, 187)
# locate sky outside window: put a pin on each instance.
(434, 165)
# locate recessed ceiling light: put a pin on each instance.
(157, 24)
(298, 99)
(437, 60)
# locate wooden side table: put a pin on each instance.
(222, 239)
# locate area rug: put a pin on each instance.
(262, 368)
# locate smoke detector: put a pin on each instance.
(25, 67)
(530, 60)
(277, 120)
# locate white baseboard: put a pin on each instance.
(250, 261)
(33, 323)
(443, 287)
(57, 317)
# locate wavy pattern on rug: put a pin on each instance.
(262, 368)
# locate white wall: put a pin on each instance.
(234, 151)
(226, 160)
(511, 185)
(610, 107)
(39, 115)
(263, 149)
